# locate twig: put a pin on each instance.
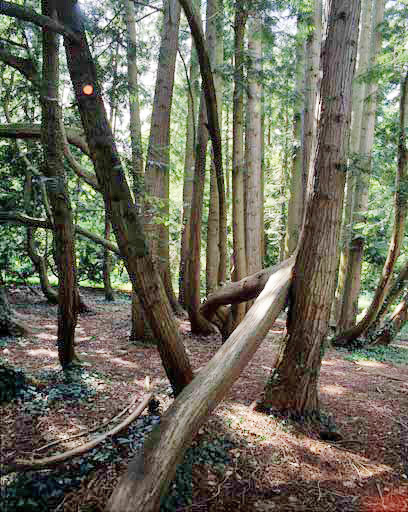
(94, 429)
(35, 465)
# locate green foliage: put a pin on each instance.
(394, 355)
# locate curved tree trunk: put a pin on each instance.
(151, 471)
(107, 264)
(293, 384)
(40, 265)
(393, 326)
(396, 289)
(401, 206)
(123, 214)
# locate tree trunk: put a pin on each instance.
(52, 140)
(238, 219)
(396, 289)
(151, 471)
(253, 202)
(107, 264)
(293, 385)
(158, 154)
(40, 265)
(296, 188)
(393, 326)
(361, 143)
(401, 206)
(10, 325)
(124, 216)
(189, 162)
(215, 44)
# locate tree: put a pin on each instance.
(158, 159)
(293, 384)
(122, 212)
(52, 141)
(400, 213)
(10, 324)
(238, 176)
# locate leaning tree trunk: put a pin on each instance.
(238, 219)
(10, 324)
(158, 154)
(107, 264)
(123, 214)
(52, 140)
(393, 326)
(151, 471)
(401, 207)
(293, 384)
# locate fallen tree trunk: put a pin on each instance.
(238, 291)
(151, 471)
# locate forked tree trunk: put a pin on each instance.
(238, 219)
(52, 140)
(293, 384)
(158, 153)
(401, 207)
(151, 471)
(123, 214)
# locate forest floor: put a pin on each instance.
(241, 460)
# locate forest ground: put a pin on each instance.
(241, 460)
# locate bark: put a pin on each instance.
(158, 154)
(140, 326)
(312, 78)
(393, 326)
(10, 324)
(238, 220)
(214, 276)
(401, 206)
(253, 202)
(124, 216)
(150, 473)
(396, 289)
(107, 264)
(237, 292)
(40, 266)
(293, 385)
(296, 188)
(361, 143)
(210, 97)
(189, 163)
(57, 190)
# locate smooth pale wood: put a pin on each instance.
(47, 462)
(150, 473)
(238, 291)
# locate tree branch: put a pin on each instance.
(25, 220)
(33, 131)
(26, 14)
